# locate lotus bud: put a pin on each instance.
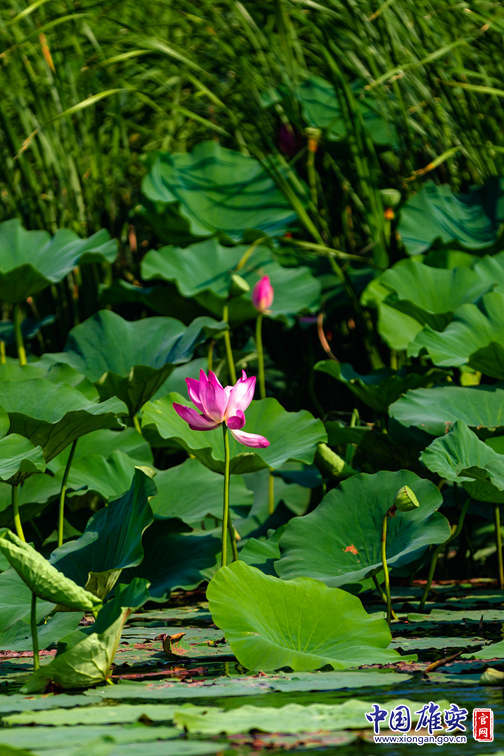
(262, 296)
(238, 286)
(405, 500)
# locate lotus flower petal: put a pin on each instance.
(250, 439)
(241, 395)
(193, 389)
(193, 418)
(237, 421)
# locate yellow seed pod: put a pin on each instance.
(406, 500)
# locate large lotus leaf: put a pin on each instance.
(42, 578)
(435, 213)
(219, 190)
(18, 636)
(19, 455)
(191, 491)
(53, 415)
(292, 435)
(321, 109)
(291, 718)
(15, 601)
(475, 337)
(112, 539)
(378, 389)
(108, 476)
(301, 624)
(434, 410)
(460, 457)
(103, 442)
(204, 271)
(85, 656)
(33, 494)
(175, 560)
(132, 359)
(32, 260)
(340, 541)
(411, 295)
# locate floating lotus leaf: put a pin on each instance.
(436, 214)
(32, 260)
(435, 410)
(204, 271)
(301, 624)
(132, 359)
(219, 190)
(340, 541)
(292, 435)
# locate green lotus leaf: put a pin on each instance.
(132, 359)
(435, 410)
(291, 718)
(340, 541)
(112, 539)
(34, 495)
(460, 457)
(175, 560)
(378, 389)
(301, 624)
(219, 190)
(32, 260)
(204, 271)
(15, 601)
(411, 295)
(475, 337)
(191, 491)
(52, 415)
(85, 657)
(18, 636)
(102, 442)
(436, 214)
(42, 578)
(19, 455)
(292, 435)
(321, 109)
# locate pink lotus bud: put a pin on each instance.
(262, 296)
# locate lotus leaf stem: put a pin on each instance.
(380, 592)
(260, 356)
(227, 342)
(210, 354)
(63, 489)
(136, 423)
(385, 567)
(34, 632)
(15, 510)
(19, 335)
(3, 356)
(498, 538)
(437, 551)
(271, 493)
(225, 508)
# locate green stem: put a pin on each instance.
(380, 592)
(271, 493)
(15, 509)
(63, 489)
(498, 538)
(232, 536)
(225, 507)
(210, 354)
(439, 549)
(136, 423)
(227, 342)
(34, 632)
(385, 568)
(19, 334)
(260, 356)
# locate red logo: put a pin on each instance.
(483, 725)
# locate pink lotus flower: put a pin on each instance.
(220, 405)
(262, 296)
